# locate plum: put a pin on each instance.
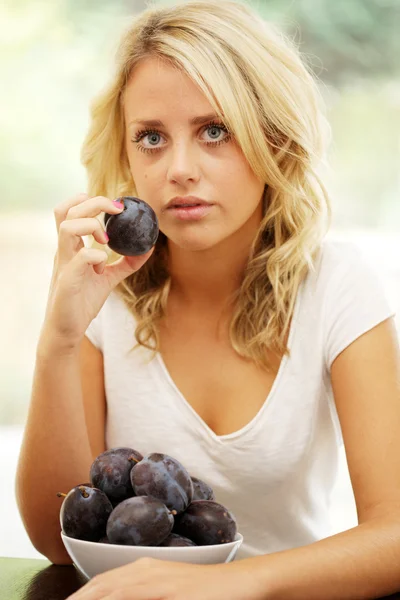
(135, 230)
(84, 513)
(139, 521)
(104, 540)
(165, 478)
(206, 522)
(174, 540)
(201, 490)
(110, 472)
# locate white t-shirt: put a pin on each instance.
(276, 474)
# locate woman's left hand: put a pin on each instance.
(153, 579)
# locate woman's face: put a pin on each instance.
(182, 159)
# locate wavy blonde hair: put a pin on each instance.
(267, 96)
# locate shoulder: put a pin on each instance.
(338, 263)
(338, 256)
(331, 262)
(352, 295)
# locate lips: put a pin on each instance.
(191, 213)
(187, 205)
(186, 201)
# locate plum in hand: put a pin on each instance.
(139, 521)
(84, 513)
(135, 230)
(110, 472)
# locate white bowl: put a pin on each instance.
(92, 557)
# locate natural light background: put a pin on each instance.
(56, 55)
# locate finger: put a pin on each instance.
(61, 211)
(125, 266)
(92, 207)
(138, 592)
(85, 594)
(92, 590)
(88, 594)
(86, 257)
(70, 236)
(99, 269)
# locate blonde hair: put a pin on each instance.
(266, 95)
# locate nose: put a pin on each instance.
(183, 163)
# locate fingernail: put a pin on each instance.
(106, 236)
(118, 204)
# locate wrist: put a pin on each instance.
(52, 345)
(254, 578)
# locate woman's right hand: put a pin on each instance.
(81, 279)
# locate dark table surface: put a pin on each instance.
(33, 579)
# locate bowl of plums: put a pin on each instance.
(136, 506)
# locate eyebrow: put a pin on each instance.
(157, 123)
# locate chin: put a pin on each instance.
(195, 243)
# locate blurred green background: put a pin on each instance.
(57, 54)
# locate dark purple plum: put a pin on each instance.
(174, 540)
(84, 513)
(139, 521)
(201, 490)
(135, 230)
(206, 522)
(164, 478)
(104, 540)
(110, 472)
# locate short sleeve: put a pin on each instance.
(94, 331)
(356, 302)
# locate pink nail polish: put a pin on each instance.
(106, 236)
(118, 204)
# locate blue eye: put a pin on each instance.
(153, 132)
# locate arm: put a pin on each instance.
(58, 448)
(363, 562)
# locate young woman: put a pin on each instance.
(244, 344)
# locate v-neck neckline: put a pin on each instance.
(267, 402)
